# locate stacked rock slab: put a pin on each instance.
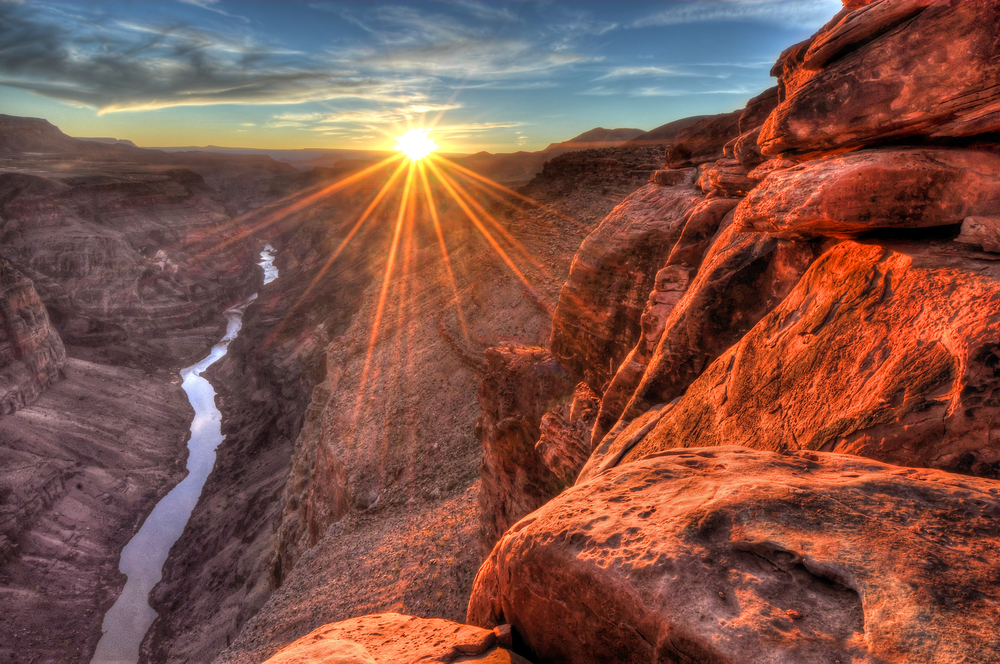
(31, 352)
(392, 638)
(726, 554)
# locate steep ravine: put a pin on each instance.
(414, 464)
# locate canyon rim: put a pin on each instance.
(725, 390)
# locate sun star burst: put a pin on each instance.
(416, 144)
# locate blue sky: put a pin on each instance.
(499, 76)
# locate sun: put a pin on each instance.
(415, 144)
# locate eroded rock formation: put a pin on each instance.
(729, 554)
(31, 353)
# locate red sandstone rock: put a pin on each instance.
(983, 231)
(520, 385)
(847, 195)
(736, 555)
(597, 319)
(727, 177)
(757, 109)
(743, 277)
(31, 353)
(391, 638)
(564, 441)
(887, 70)
(889, 352)
(704, 140)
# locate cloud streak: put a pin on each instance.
(119, 66)
(799, 14)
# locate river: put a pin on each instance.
(126, 622)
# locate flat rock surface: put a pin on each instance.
(391, 638)
(889, 352)
(81, 467)
(848, 195)
(735, 555)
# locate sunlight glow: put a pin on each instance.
(416, 144)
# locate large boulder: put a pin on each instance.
(848, 195)
(736, 555)
(888, 70)
(597, 319)
(890, 352)
(392, 638)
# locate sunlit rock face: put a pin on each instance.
(703, 141)
(391, 638)
(734, 555)
(849, 195)
(520, 384)
(602, 301)
(889, 70)
(31, 352)
(889, 352)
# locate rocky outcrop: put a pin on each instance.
(520, 385)
(886, 71)
(849, 195)
(391, 638)
(31, 353)
(735, 555)
(600, 305)
(981, 231)
(703, 141)
(888, 352)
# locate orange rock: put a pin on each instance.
(890, 352)
(734, 555)
(848, 195)
(392, 638)
(888, 70)
(703, 141)
(597, 319)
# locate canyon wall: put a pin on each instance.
(116, 266)
(845, 306)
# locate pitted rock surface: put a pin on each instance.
(734, 555)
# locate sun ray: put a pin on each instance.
(432, 207)
(504, 234)
(386, 188)
(284, 208)
(446, 182)
(496, 185)
(389, 268)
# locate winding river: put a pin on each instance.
(126, 623)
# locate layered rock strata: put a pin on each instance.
(31, 353)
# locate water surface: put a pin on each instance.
(126, 623)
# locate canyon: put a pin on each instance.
(727, 392)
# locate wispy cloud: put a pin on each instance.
(652, 72)
(118, 66)
(798, 14)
